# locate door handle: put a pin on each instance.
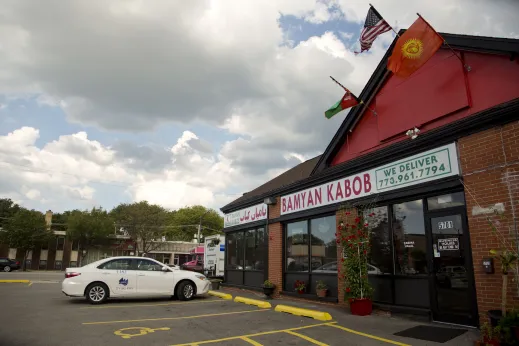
(106, 273)
(141, 274)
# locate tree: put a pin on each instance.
(184, 223)
(143, 222)
(7, 210)
(89, 228)
(26, 230)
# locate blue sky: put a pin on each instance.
(179, 103)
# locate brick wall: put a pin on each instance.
(275, 264)
(275, 210)
(490, 168)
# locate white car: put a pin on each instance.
(119, 277)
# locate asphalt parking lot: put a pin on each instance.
(40, 314)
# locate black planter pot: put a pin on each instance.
(215, 285)
(268, 291)
(494, 316)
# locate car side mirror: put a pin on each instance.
(165, 269)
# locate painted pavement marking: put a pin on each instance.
(174, 318)
(114, 306)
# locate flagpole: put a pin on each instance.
(467, 67)
(358, 99)
(378, 14)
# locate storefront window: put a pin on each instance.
(297, 247)
(255, 249)
(381, 256)
(409, 238)
(324, 245)
(61, 243)
(235, 250)
(446, 201)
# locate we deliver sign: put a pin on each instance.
(428, 166)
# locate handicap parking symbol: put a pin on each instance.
(139, 331)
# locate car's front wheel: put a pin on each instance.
(7, 269)
(97, 293)
(186, 290)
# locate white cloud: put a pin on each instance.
(130, 65)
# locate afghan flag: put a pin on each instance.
(347, 101)
(414, 48)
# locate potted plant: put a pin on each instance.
(321, 289)
(509, 325)
(268, 288)
(215, 284)
(299, 286)
(490, 336)
(508, 256)
(354, 237)
(508, 259)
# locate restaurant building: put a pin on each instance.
(436, 157)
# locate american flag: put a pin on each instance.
(374, 26)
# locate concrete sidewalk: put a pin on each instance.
(376, 325)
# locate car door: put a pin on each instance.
(119, 275)
(152, 280)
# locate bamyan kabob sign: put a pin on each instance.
(421, 168)
(255, 213)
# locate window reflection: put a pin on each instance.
(255, 249)
(324, 245)
(234, 250)
(297, 246)
(381, 258)
(409, 238)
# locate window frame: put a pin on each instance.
(151, 260)
(244, 238)
(130, 267)
(309, 245)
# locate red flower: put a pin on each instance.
(338, 241)
(347, 213)
(348, 289)
(365, 252)
(372, 214)
(357, 219)
(342, 259)
(353, 226)
(339, 227)
(366, 224)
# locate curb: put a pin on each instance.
(259, 303)
(15, 281)
(225, 296)
(316, 315)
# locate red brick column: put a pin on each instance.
(275, 234)
(341, 215)
(490, 169)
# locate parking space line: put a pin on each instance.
(174, 318)
(159, 304)
(307, 338)
(252, 335)
(368, 335)
(250, 341)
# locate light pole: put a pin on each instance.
(200, 224)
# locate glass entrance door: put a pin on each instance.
(451, 274)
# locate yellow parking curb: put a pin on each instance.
(259, 303)
(316, 315)
(15, 281)
(225, 296)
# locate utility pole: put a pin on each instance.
(200, 225)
